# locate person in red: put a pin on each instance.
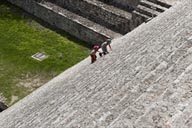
(93, 53)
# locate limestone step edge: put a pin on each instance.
(152, 5)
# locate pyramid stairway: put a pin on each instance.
(145, 82)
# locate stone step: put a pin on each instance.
(153, 6)
(169, 105)
(147, 11)
(139, 108)
(101, 33)
(146, 8)
(179, 54)
(161, 3)
(183, 55)
(184, 117)
(109, 16)
(115, 110)
(140, 18)
(124, 5)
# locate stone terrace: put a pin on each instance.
(145, 82)
(101, 13)
(93, 20)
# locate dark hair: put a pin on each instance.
(108, 40)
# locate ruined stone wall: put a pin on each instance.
(61, 21)
(133, 3)
(123, 3)
(99, 13)
(110, 20)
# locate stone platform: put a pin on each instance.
(145, 82)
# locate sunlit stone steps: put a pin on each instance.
(145, 73)
(148, 9)
(163, 3)
(154, 6)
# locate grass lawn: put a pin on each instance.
(20, 38)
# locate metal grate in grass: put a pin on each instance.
(40, 56)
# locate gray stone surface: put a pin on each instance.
(145, 82)
(147, 10)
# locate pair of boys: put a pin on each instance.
(96, 49)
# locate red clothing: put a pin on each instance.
(93, 56)
(96, 47)
(93, 53)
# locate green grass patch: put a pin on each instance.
(20, 38)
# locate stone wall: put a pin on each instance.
(100, 21)
(98, 12)
(133, 3)
(61, 21)
(123, 3)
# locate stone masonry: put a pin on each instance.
(108, 16)
(145, 82)
(72, 23)
(92, 21)
(124, 4)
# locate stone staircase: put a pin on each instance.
(145, 82)
(163, 3)
(148, 9)
(128, 6)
